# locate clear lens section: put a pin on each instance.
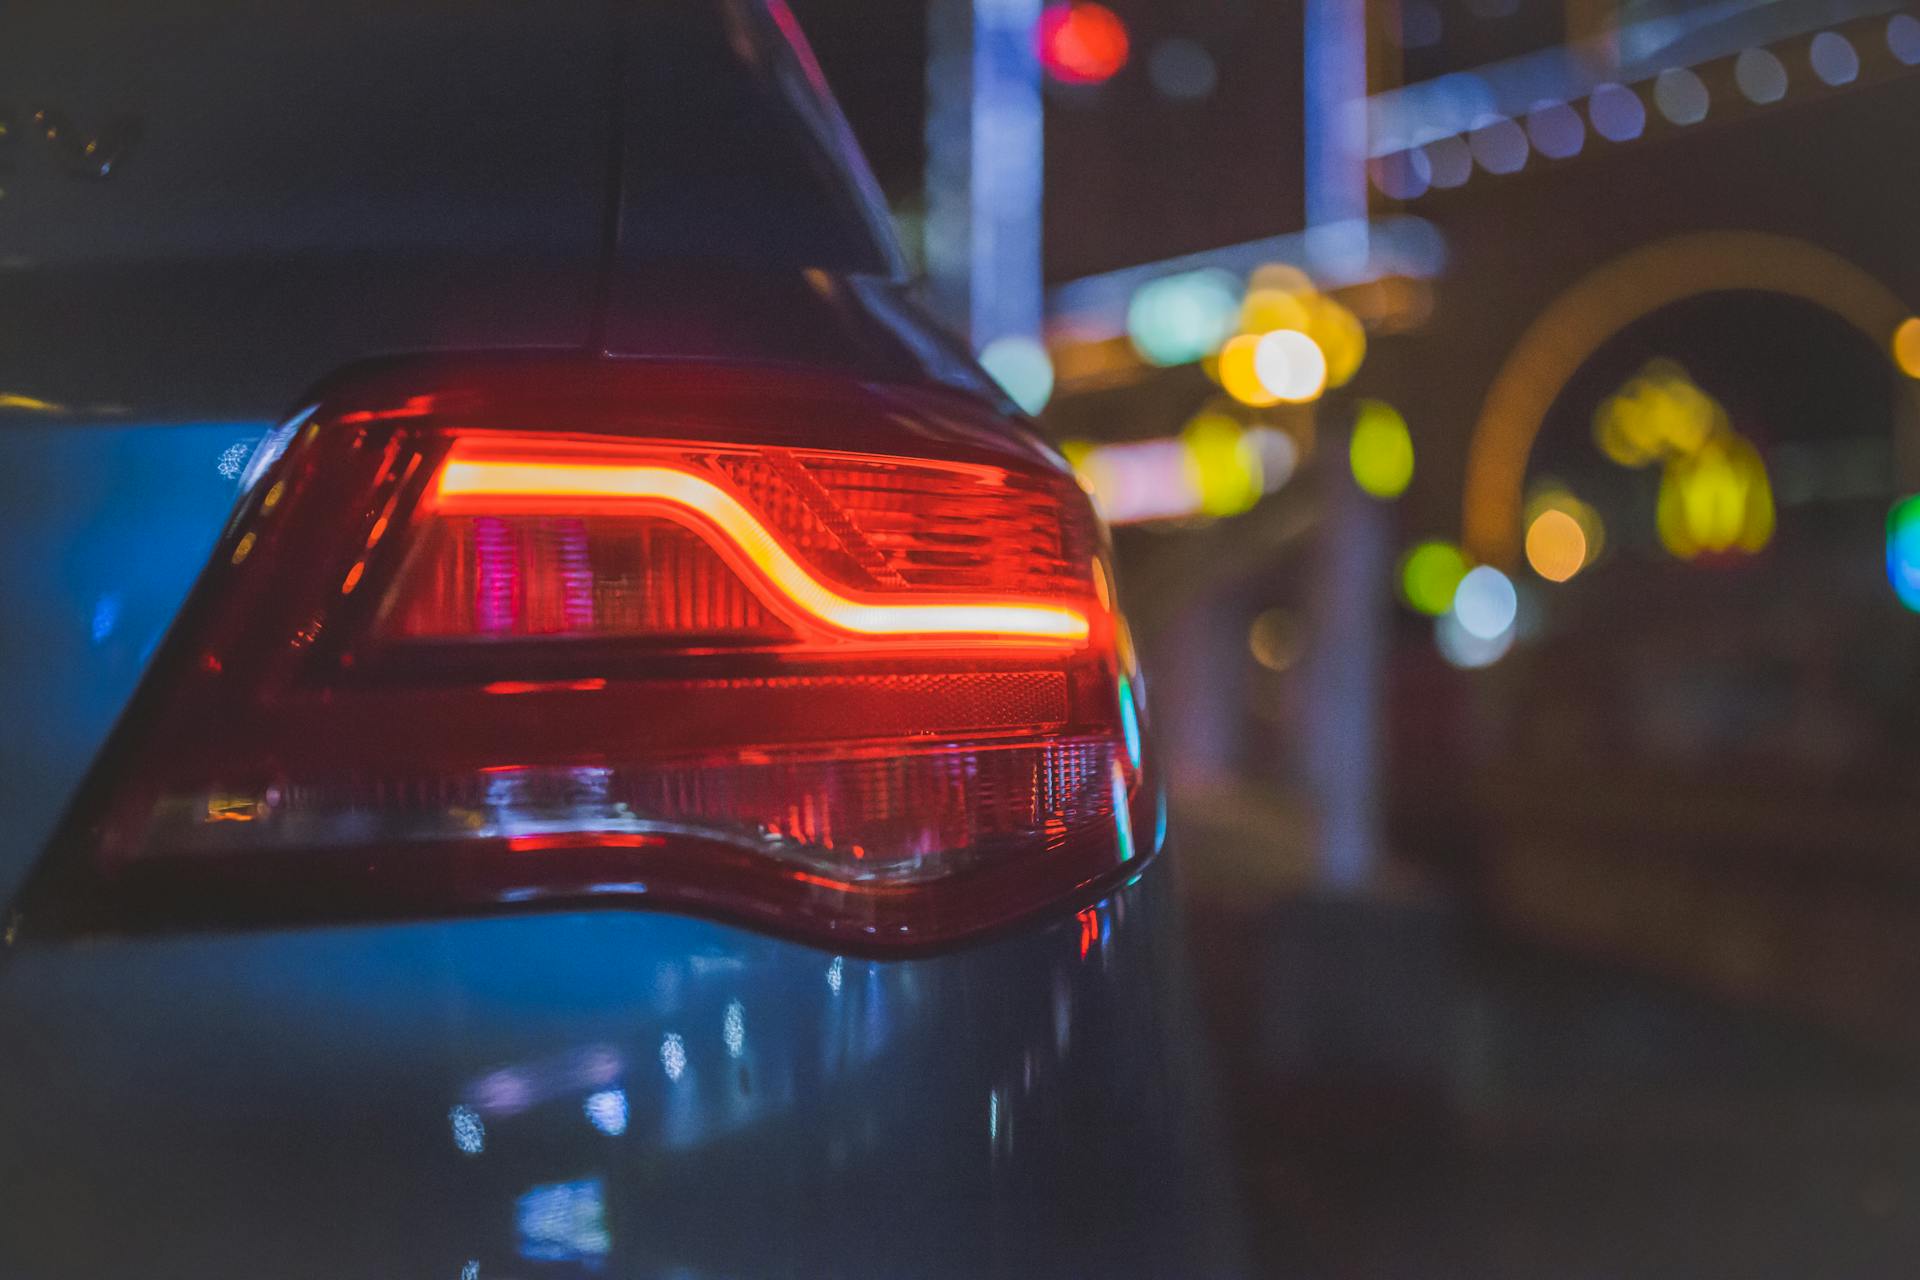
(571, 575)
(886, 813)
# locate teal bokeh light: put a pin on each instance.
(1183, 318)
(1903, 551)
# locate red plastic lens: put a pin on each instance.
(835, 659)
(580, 537)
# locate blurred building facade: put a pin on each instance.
(1505, 410)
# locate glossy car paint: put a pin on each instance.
(275, 193)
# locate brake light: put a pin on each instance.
(837, 660)
(476, 480)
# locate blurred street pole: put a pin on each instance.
(1340, 730)
(1340, 722)
(1334, 80)
(985, 152)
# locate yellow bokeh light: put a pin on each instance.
(1556, 545)
(1224, 464)
(1280, 277)
(1268, 309)
(1238, 375)
(1381, 450)
(1716, 500)
(1660, 413)
(1906, 346)
(1340, 335)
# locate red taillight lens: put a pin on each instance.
(830, 658)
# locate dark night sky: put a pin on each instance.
(1132, 176)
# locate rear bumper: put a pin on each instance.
(615, 1092)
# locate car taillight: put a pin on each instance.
(836, 659)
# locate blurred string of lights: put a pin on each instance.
(1276, 342)
(1456, 125)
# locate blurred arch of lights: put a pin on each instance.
(1608, 299)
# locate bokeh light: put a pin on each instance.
(1903, 551)
(1556, 130)
(1449, 161)
(1182, 318)
(1238, 376)
(1556, 545)
(1659, 413)
(1182, 69)
(1341, 337)
(1223, 463)
(1430, 574)
(1499, 145)
(1275, 302)
(1381, 450)
(1276, 639)
(1833, 58)
(1082, 42)
(1906, 346)
(1550, 551)
(1463, 649)
(1022, 368)
(1617, 113)
(1402, 175)
(1716, 500)
(1760, 76)
(1290, 365)
(1486, 603)
(1903, 38)
(1681, 96)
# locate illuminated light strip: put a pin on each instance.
(465, 484)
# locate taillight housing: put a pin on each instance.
(835, 659)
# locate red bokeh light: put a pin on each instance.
(1082, 43)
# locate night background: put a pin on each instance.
(570, 712)
(1569, 930)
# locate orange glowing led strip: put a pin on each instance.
(466, 483)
